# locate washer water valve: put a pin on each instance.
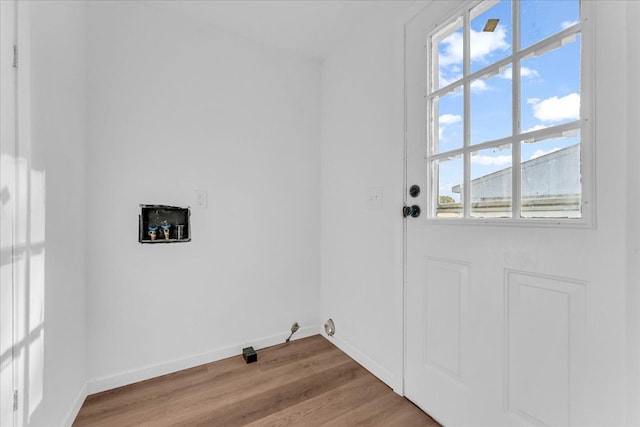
(294, 328)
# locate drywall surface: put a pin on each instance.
(362, 150)
(633, 207)
(175, 106)
(54, 349)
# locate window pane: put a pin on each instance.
(491, 183)
(448, 54)
(548, 88)
(543, 18)
(449, 176)
(448, 111)
(551, 87)
(551, 180)
(491, 108)
(487, 44)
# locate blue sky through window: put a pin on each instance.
(550, 86)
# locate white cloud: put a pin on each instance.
(536, 127)
(540, 153)
(482, 44)
(447, 80)
(566, 24)
(556, 109)
(479, 85)
(452, 50)
(528, 72)
(449, 119)
(491, 160)
(524, 72)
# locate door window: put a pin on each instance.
(506, 121)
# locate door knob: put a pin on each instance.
(413, 211)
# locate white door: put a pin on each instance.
(7, 209)
(514, 321)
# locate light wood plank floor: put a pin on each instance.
(307, 382)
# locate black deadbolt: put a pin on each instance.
(413, 211)
(414, 190)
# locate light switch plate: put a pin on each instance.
(374, 198)
(200, 199)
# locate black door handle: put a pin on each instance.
(413, 211)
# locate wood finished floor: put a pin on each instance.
(308, 382)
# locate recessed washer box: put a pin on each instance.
(164, 224)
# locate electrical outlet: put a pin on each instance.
(200, 199)
(249, 355)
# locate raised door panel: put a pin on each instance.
(546, 320)
(445, 314)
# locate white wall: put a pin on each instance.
(174, 106)
(362, 147)
(242, 122)
(633, 207)
(56, 366)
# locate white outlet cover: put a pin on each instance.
(374, 198)
(200, 199)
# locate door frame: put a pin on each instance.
(18, 208)
(412, 13)
(8, 175)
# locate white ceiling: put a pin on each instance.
(305, 27)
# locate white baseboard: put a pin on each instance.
(144, 373)
(383, 374)
(75, 408)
